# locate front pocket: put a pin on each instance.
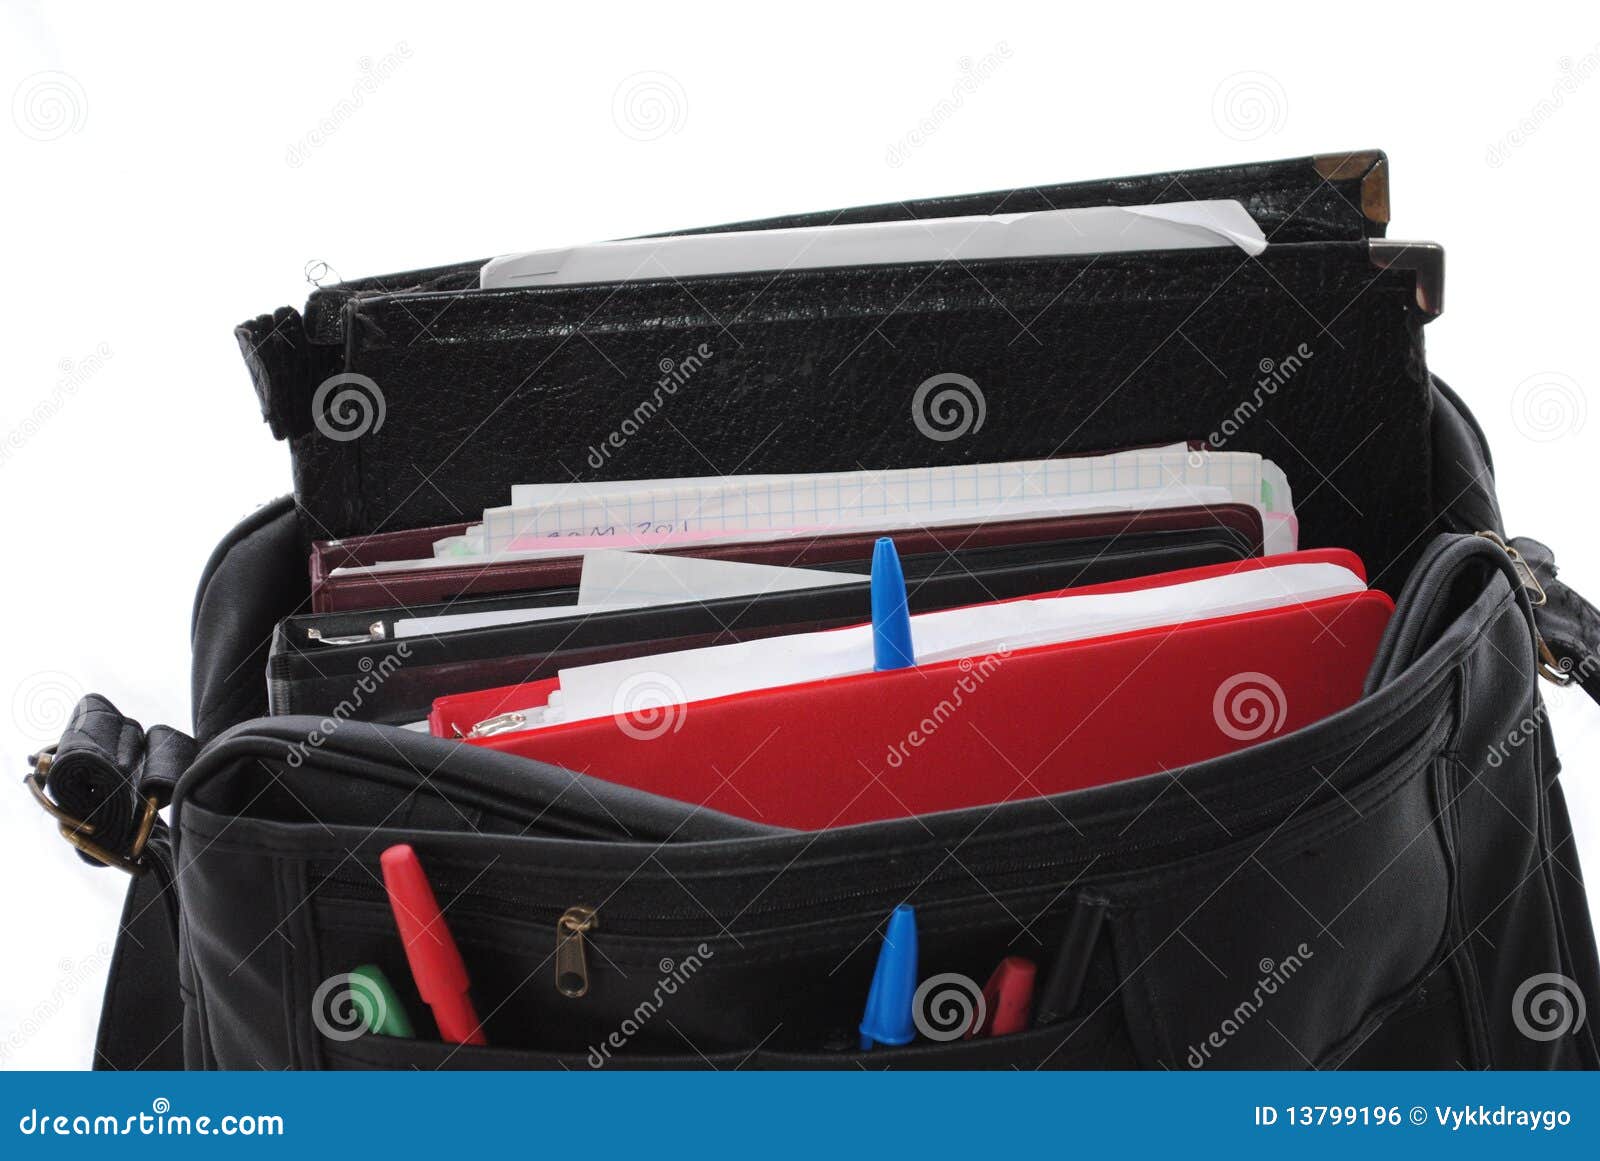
(794, 992)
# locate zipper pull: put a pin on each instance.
(572, 965)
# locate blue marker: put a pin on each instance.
(891, 618)
(888, 1018)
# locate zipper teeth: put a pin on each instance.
(473, 900)
(537, 916)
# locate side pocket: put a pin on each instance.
(1514, 949)
(1282, 949)
(1430, 1014)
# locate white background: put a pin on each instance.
(172, 172)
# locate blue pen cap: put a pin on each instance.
(888, 1018)
(891, 616)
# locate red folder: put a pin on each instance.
(982, 730)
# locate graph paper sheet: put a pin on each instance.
(451, 554)
(843, 500)
(572, 519)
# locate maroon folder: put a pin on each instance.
(427, 586)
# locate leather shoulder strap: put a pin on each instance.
(105, 783)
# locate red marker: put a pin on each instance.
(1007, 998)
(436, 966)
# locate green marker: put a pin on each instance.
(377, 1003)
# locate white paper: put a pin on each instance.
(1085, 230)
(592, 691)
(458, 622)
(614, 580)
(644, 578)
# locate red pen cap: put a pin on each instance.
(1008, 998)
(436, 966)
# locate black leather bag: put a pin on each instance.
(1394, 886)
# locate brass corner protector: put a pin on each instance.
(1425, 259)
(1372, 167)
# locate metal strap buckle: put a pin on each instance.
(1554, 669)
(77, 832)
(1530, 581)
(1551, 668)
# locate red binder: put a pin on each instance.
(982, 730)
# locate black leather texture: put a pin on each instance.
(105, 765)
(255, 578)
(819, 370)
(1569, 624)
